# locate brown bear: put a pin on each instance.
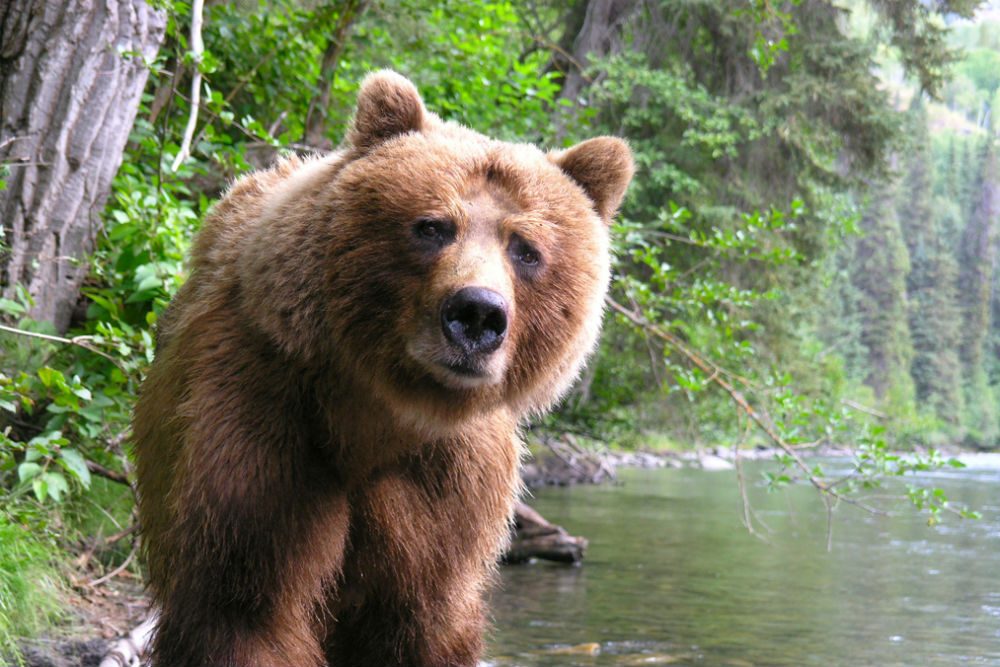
(327, 443)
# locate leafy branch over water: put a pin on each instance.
(873, 460)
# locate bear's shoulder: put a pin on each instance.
(251, 199)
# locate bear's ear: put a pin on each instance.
(388, 105)
(603, 167)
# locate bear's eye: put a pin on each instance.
(524, 253)
(437, 232)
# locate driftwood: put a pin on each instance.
(534, 537)
(130, 650)
(564, 461)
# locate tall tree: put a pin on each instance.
(595, 29)
(976, 257)
(71, 77)
(347, 14)
(880, 268)
(752, 124)
(931, 285)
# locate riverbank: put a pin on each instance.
(95, 617)
(564, 462)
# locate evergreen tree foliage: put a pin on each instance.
(748, 161)
(976, 258)
(939, 329)
(881, 265)
(934, 317)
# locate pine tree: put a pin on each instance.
(949, 170)
(881, 264)
(976, 258)
(935, 327)
(931, 285)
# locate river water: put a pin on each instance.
(672, 577)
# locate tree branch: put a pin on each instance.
(761, 419)
(107, 473)
(197, 49)
(79, 341)
(118, 570)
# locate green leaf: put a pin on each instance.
(149, 283)
(27, 471)
(73, 461)
(56, 485)
(49, 376)
(11, 307)
(40, 487)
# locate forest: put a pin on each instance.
(806, 261)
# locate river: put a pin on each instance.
(672, 577)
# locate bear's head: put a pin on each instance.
(447, 272)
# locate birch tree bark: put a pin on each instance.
(71, 77)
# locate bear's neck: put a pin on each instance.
(350, 414)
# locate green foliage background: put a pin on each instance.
(804, 218)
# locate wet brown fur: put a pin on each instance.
(311, 492)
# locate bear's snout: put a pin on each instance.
(475, 320)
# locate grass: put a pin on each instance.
(105, 508)
(30, 587)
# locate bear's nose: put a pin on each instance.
(475, 319)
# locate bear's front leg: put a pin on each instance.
(244, 522)
(245, 591)
(423, 544)
(211, 632)
(386, 629)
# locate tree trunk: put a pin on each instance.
(71, 77)
(600, 36)
(316, 118)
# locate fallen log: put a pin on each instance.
(534, 537)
